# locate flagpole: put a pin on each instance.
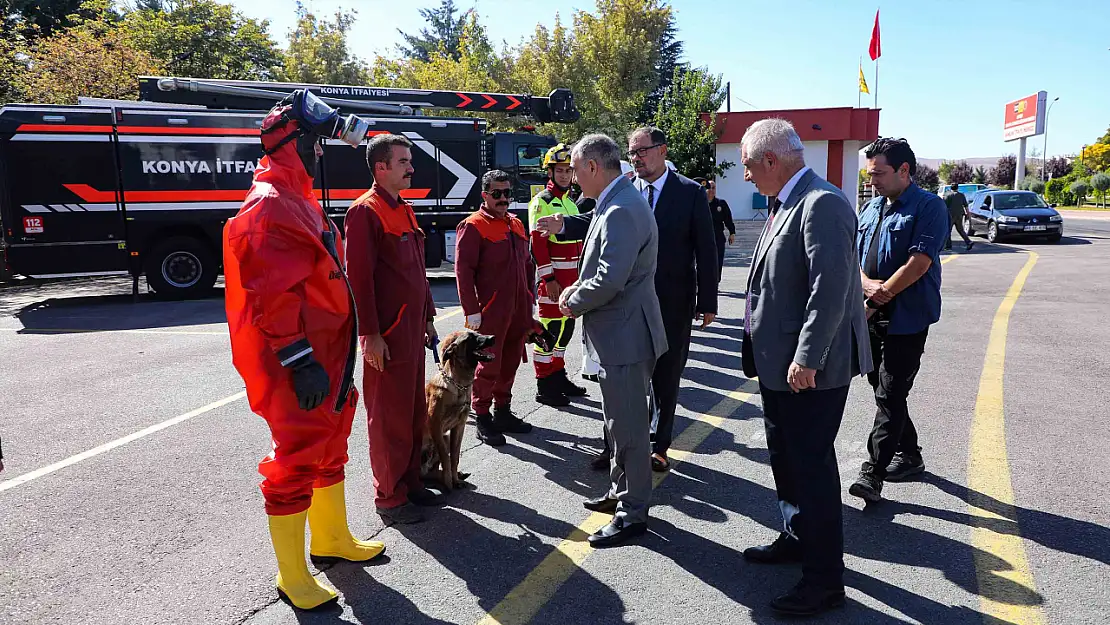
(859, 91)
(876, 83)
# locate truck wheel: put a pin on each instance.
(180, 267)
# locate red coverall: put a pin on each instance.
(560, 259)
(286, 293)
(385, 261)
(495, 275)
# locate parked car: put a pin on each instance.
(968, 189)
(1004, 214)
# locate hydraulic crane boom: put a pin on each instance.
(234, 94)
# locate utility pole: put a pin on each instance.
(1044, 157)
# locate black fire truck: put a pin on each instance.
(125, 187)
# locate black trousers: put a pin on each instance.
(959, 223)
(720, 240)
(678, 320)
(801, 436)
(897, 360)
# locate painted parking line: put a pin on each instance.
(949, 258)
(1007, 591)
(93, 331)
(522, 604)
(106, 447)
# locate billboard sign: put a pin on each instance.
(1025, 117)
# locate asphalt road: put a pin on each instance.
(169, 527)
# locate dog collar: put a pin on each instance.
(447, 378)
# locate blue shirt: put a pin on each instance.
(916, 224)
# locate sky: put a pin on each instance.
(947, 69)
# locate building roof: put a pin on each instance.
(826, 124)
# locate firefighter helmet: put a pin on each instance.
(558, 155)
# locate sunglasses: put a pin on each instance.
(497, 194)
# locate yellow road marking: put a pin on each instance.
(522, 604)
(450, 314)
(134, 436)
(103, 330)
(1007, 592)
(949, 258)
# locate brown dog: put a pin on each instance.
(448, 395)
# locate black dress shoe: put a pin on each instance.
(425, 497)
(603, 503)
(615, 533)
(808, 600)
(785, 549)
(601, 463)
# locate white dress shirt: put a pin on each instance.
(790, 184)
(643, 185)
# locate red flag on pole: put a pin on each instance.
(874, 49)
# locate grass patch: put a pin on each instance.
(1085, 207)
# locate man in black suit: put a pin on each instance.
(686, 278)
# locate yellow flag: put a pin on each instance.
(862, 81)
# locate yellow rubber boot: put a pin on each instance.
(331, 538)
(293, 579)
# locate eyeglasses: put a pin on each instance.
(497, 194)
(640, 152)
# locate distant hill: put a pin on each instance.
(985, 161)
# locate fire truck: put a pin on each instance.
(145, 187)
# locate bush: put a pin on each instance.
(1100, 182)
(1080, 188)
(1056, 192)
(1034, 185)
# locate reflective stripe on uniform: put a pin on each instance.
(544, 358)
(548, 270)
(543, 299)
(564, 264)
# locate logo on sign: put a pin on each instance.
(32, 225)
(1019, 108)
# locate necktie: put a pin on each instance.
(748, 295)
(651, 196)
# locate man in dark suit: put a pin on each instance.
(722, 220)
(686, 278)
(805, 337)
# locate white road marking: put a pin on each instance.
(96, 451)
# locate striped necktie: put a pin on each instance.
(651, 196)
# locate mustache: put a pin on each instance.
(408, 175)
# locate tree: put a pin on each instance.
(1080, 188)
(1100, 182)
(32, 19)
(670, 51)
(93, 58)
(1031, 183)
(690, 139)
(443, 37)
(1056, 191)
(944, 170)
(1097, 156)
(927, 178)
(204, 39)
(1056, 167)
(318, 52)
(1106, 137)
(980, 175)
(1002, 174)
(959, 173)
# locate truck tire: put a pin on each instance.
(181, 267)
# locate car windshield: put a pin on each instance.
(1003, 201)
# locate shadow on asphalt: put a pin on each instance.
(105, 313)
(703, 493)
(492, 564)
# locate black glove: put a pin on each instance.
(310, 383)
(546, 340)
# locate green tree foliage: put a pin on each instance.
(1080, 188)
(91, 58)
(32, 19)
(1100, 182)
(318, 51)
(980, 175)
(204, 39)
(1096, 157)
(927, 178)
(670, 53)
(443, 37)
(1056, 191)
(690, 139)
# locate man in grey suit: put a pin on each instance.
(615, 294)
(805, 337)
